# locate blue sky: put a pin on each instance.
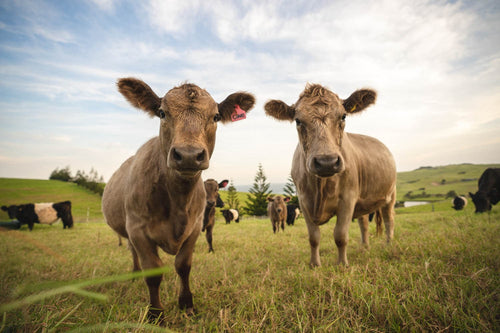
(435, 65)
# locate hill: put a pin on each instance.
(434, 183)
(83, 201)
(423, 184)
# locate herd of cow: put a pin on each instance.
(157, 199)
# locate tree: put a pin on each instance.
(61, 174)
(232, 196)
(290, 191)
(257, 199)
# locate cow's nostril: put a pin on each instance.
(176, 155)
(201, 156)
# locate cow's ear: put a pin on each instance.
(270, 199)
(471, 195)
(279, 110)
(223, 183)
(227, 107)
(287, 199)
(360, 100)
(140, 95)
(4, 208)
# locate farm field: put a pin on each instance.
(441, 273)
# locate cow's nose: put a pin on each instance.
(188, 158)
(327, 165)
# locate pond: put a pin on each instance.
(415, 203)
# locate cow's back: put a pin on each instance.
(489, 180)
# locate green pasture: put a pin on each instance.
(441, 273)
(438, 181)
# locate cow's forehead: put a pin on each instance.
(188, 98)
(317, 100)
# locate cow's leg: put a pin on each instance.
(363, 227)
(208, 235)
(135, 258)
(314, 238)
(341, 231)
(183, 261)
(274, 226)
(283, 225)
(388, 214)
(148, 257)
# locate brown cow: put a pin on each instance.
(276, 210)
(330, 168)
(157, 198)
(213, 200)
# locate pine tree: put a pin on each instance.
(257, 199)
(290, 191)
(232, 196)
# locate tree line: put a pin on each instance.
(92, 180)
(255, 205)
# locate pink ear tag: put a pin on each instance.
(238, 114)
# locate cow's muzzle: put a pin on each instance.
(188, 160)
(326, 165)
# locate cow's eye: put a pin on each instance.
(162, 114)
(217, 117)
(298, 122)
(344, 116)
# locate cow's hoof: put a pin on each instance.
(156, 316)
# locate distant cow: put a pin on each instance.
(337, 173)
(459, 202)
(44, 213)
(277, 211)
(213, 200)
(157, 197)
(292, 213)
(231, 215)
(488, 193)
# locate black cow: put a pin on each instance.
(44, 213)
(488, 193)
(292, 213)
(459, 202)
(231, 215)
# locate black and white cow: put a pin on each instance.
(293, 212)
(459, 202)
(231, 215)
(44, 213)
(488, 190)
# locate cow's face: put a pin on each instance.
(212, 190)
(481, 201)
(277, 203)
(189, 118)
(320, 117)
(11, 210)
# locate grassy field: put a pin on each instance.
(438, 181)
(441, 273)
(18, 191)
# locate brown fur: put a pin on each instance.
(157, 198)
(337, 173)
(277, 212)
(212, 191)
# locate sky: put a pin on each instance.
(434, 64)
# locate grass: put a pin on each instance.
(461, 178)
(19, 191)
(441, 273)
